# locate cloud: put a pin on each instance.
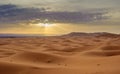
(65, 5)
(12, 14)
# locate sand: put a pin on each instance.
(60, 55)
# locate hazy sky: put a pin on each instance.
(59, 16)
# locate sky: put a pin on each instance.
(56, 17)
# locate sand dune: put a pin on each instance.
(76, 53)
(104, 51)
(37, 58)
(12, 68)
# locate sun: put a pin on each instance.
(44, 24)
(47, 25)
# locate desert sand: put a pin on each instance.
(68, 54)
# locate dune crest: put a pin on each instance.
(75, 53)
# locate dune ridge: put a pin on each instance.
(74, 53)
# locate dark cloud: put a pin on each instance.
(66, 5)
(15, 14)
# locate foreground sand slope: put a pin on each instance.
(60, 55)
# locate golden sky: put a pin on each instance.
(60, 28)
(56, 17)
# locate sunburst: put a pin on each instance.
(46, 25)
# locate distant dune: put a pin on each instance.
(102, 34)
(18, 35)
(74, 53)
